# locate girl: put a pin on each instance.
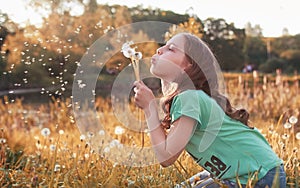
(201, 121)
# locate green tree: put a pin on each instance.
(3, 34)
(255, 51)
(272, 64)
(226, 42)
(292, 58)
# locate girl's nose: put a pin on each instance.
(159, 51)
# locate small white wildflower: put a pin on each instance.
(101, 132)
(130, 182)
(115, 164)
(61, 132)
(52, 147)
(106, 150)
(298, 135)
(57, 168)
(38, 145)
(74, 155)
(285, 136)
(86, 156)
(293, 120)
(90, 134)
(82, 137)
(45, 132)
(114, 143)
(119, 130)
(120, 146)
(2, 140)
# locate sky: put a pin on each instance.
(272, 15)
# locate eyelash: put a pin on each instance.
(170, 48)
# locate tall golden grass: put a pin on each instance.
(32, 156)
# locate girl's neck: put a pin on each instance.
(169, 88)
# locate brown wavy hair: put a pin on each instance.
(204, 74)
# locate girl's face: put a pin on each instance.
(169, 62)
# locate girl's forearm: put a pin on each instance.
(157, 134)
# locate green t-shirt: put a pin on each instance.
(223, 146)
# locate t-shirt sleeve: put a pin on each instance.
(187, 104)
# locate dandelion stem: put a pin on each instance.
(135, 65)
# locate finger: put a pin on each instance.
(135, 83)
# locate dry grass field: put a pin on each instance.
(41, 146)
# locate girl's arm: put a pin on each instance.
(167, 147)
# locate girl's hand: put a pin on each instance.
(143, 95)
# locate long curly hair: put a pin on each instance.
(204, 74)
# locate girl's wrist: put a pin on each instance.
(152, 117)
(151, 109)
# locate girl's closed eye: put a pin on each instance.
(171, 47)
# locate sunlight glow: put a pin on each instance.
(274, 17)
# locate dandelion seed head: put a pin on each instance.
(61, 132)
(287, 125)
(90, 134)
(82, 137)
(45, 132)
(57, 168)
(295, 150)
(127, 50)
(298, 135)
(52, 147)
(114, 143)
(293, 119)
(285, 136)
(106, 150)
(2, 140)
(119, 130)
(101, 132)
(74, 155)
(138, 55)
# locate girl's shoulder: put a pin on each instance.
(193, 93)
(193, 96)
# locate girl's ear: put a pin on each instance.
(187, 63)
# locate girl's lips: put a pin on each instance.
(153, 60)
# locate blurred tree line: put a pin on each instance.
(48, 55)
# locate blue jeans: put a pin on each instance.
(267, 180)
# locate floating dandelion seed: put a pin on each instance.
(57, 168)
(287, 125)
(293, 120)
(45, 132)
